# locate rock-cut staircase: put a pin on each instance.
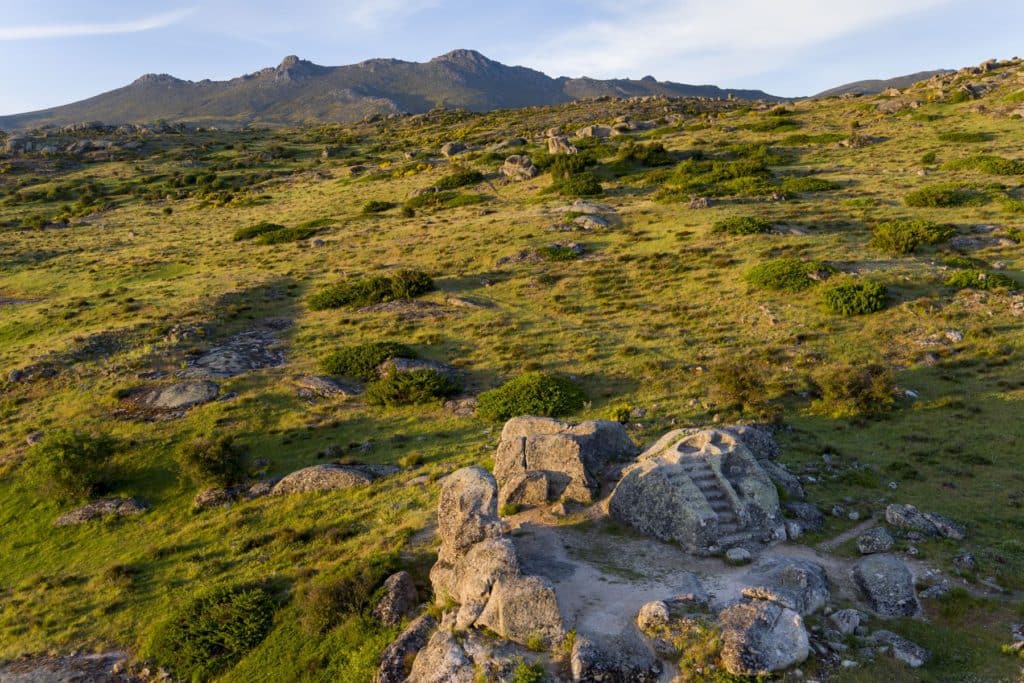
(730, 528)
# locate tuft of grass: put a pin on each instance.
(68, 465)
(409, 388)
(212, 461)
(808, 184)
(742, 225)
(961, 136)
(376, 206)
(982, 280)
(459, 178)
(254, 231)
(404, 284)
(786, 274)
(987, 163)
(846, 297)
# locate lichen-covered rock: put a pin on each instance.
(653, 616)
(523, 609)
(930, 523)
(570, 455)
(810, 516)
(397, 660)
(442, 661)
(800, 585)
(847, 621)
(467, 510)
(323, 478)
(519, 167)
(98, 509)
(623, 659)
(887, 585)
(404, 365)
(785, 480)
(559, 144)
(467, 577)
(398, 601)
(761, 637)
(318, 386)
(531, 488)
(877, 540)
(179, 396)
(903, 650)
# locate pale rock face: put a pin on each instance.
(887, 585)
(761, 637)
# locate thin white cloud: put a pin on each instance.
(372, 16)
(71, 30)
(713, 40)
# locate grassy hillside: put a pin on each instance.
(119, 270)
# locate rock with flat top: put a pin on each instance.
(761, 637)
(100, 509)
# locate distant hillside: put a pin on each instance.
(872, 87)
(298, 91)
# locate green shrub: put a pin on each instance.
(653, 154)
(327, 600)
(898, 238)
(286, 235)
(429, 200)
(362, 360)
(583, 184)
(558, 252)
(785, 274)
(528, 673)
(964, 136)
(982, 280)
(742, 225)
(929, 158)
(214, 632)
(854, 298)
(376, 206)
(962, 262)
(808, 184)
(987, 163)
(212, 461)
(944, 196)
(739, 383)
(459, 178)
(409, 388)
(564, 166)
(68, 465)
(404, 284)
(773, 124)
(534, 393)
(256, 230)
(855, 389)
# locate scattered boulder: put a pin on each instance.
(591, 222)
(930, 523)
(442, 661)
(702, 489)
(761, 637)
(519, 167)
(396, 662)
(877, 540)
(790, 485)
(903, 650)
(847, 621)
(462, 407)
(467, 511)
(244, 352)
(450, 149)
(800, 585)
(323, 478)
(398, 601)
(700, 203)
(623, 659)
(594, 132)
(738, 556)
(811, 517)
(178, 396)
(653, 616)
(212, 498)
(558, 144)
(571, 456)
(319, 386)
(887, 585)
(99, 509)
(404, 365)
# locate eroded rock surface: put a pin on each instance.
(887, 585)
(99, 509)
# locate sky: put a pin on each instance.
(60, 51)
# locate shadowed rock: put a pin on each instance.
(761, 637)
(887, 585)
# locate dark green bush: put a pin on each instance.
(808, 184)
(785, 274)
(742, 225)
(987, 163)
(855, 389)
(854, 298)
(898, 238)
(558, 252)
(739, 383)
(214, 632)
(982, 280)
(534, 393)
(964, 136)
(962, 262)
(944, 196)
(404, 284)
(429, 200)
(328, 600)
(653, 154)
(212, 461)
(376, 206)
(256, 230)
(68, 465)
(409, 388)
(286, 235)
(583, 184)
(773, 124)
(459, 178)
(362, 360)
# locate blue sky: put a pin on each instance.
(59, 51)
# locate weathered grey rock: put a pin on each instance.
(523, 609)
(468, 577)
(179, 396)
(404, 365)
(323, 478)
(442, 661)
(700, 203)
(519, 167)
(396, 662)
(462, 407)
(98, 509)
(847, 621)
(903, 650)
(738, 556)
(467, 510)
(211, 498)
(761, 637)
(531, 488)
(558, 144)
(698, 488)
(570, 455)
(788, 482)
(653, 616)
(313, 386)
(930, 523)
(800, 585)
(450, 149)
(877, 540)
(622, 660)
(398, 601)
(78, 667)
(887, 584)
(594, 132)
(591, 222)
(810, 515)
(243, 352)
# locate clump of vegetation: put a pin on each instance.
(403, 284)
(744, 172)
(964, 136)
(254, 231)
(559, 252)
(362, 360)
(808, 184)
(852, 389)
(982, 280)
(459, 178)
(214, 632)
(68, 465)
(534, 393)
(286, 235)
(571, 178)
(376, 206)
(987, 163)
(898, 238)
(653, 154)
(327, 600)
(739, 383)
(216, 461)
(409, 388)
(584, 184)
(786, 274)
(849, 297)
(528, 673)
(944, 196)
(742, 225)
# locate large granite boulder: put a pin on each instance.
(523, 609)
(887, 585)
(519, 167)
(397, 659)
(323, 478)
(570, 456)
(442, 661)
(625, 658)
(398, 601)
(705, 490)
(179, 396)
(559, 144)
(800, 585)
(467, 511)
(761, 637)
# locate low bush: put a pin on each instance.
(534, 393)
(739, 383)
(209, 461)
(987, 163)
(808, 184)
(68, 465)
(944, 196)
(898, 238)
(409, 388)
(964, 136)
(362, 360)
(786, 274)
(583, 184)
(982, 280)
(855, 389)
(653, 154)
(854, 297)
(327, 600)
(286, 235)
(376, 206)
(459, 178)
(742, 225)
(256, 230)
(558, 252)
(214, 632)
(404, 284)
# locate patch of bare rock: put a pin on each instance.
(101, 509)
(104, 667)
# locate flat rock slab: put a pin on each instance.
(178, 396)
(99, 509)
(244, 352)
(319, 386)
(329, 478)
(84, 668)
(404, 309)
